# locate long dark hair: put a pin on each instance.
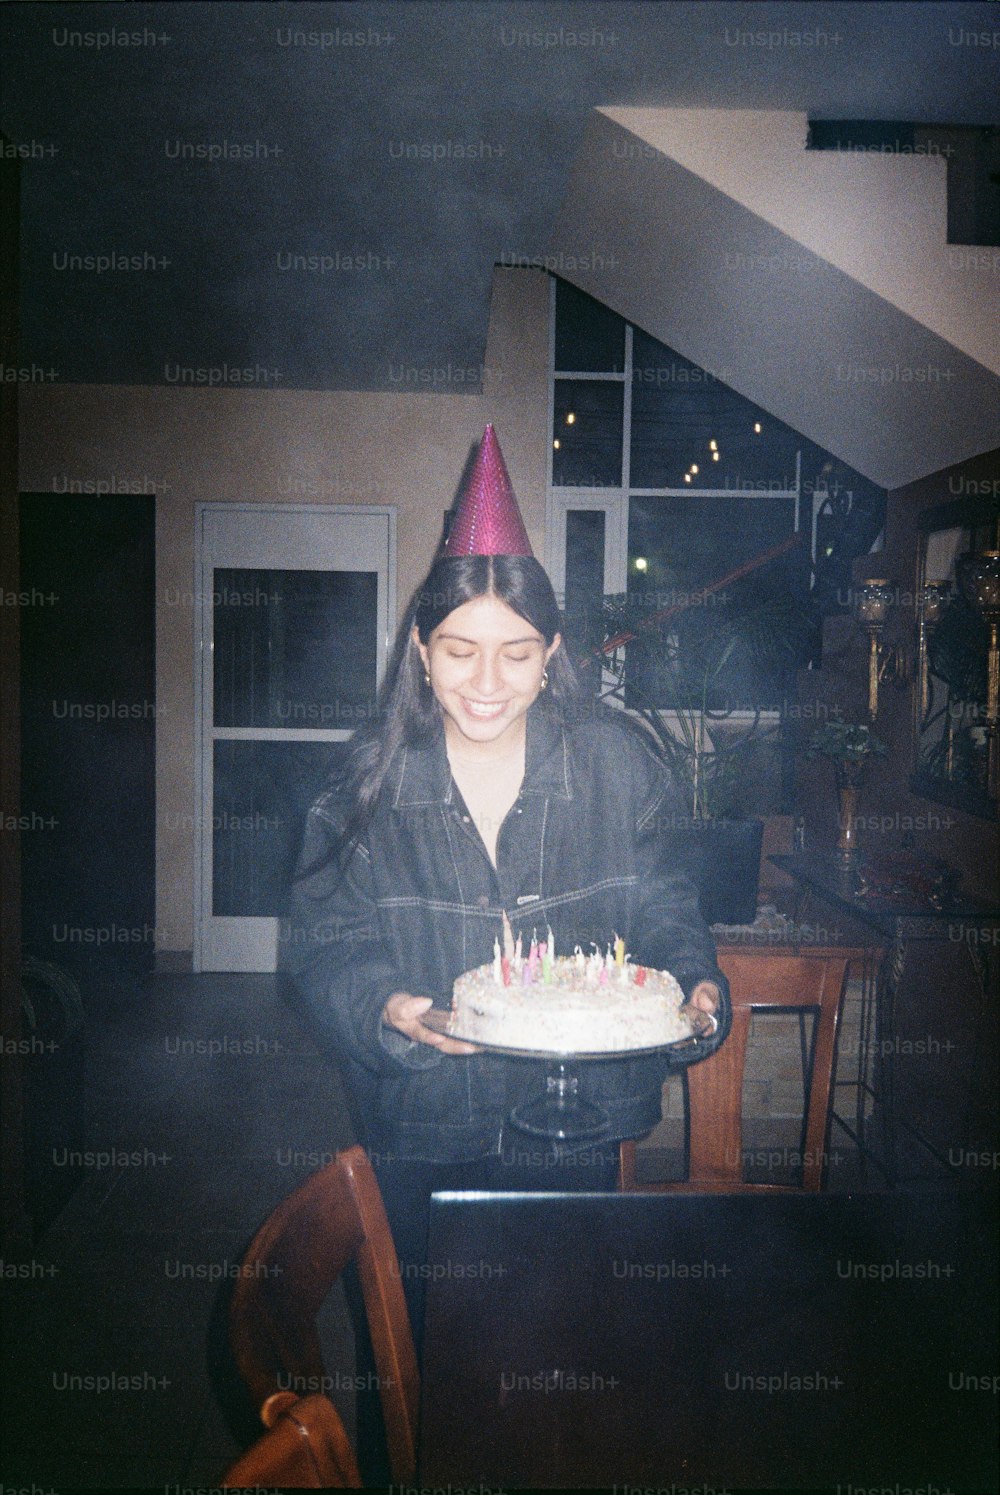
(408, 714)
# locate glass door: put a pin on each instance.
(296, 607)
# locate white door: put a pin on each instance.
(297, 605)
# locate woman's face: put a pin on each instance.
(485, 664)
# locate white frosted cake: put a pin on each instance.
(568, 1004)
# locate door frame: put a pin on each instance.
(248, 958)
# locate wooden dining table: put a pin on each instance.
(698, 1341)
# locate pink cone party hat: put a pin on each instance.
(488, 520)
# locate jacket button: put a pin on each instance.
(483, 902)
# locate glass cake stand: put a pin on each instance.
(558, 1113)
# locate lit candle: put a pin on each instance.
(505, 969)
(602, 979)
(579, 957)
(619, 951)
(496, 961)
(526, 974)
(640, 975)
(518, 957)
(550, 941)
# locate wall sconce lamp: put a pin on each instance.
(979, 579)
(886, 662)
(931, 605)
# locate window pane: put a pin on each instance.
(590, 337)
(587, 434)
(584, 587)
(294, 648)
(679, 410)
(678, 547)
(262, 792)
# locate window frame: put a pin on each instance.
(614, 501)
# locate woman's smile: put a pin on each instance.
(484, 709)
(486, 666)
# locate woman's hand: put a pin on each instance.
(702, 1006)
(403, 1012)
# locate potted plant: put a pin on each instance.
(697, 680)
(849, 746)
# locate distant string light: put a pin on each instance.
(556, 443)
(641, 563)
(756, 426)
(571, 418)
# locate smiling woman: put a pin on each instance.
(492, 797)
(485, 671)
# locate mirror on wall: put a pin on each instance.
(951, 722)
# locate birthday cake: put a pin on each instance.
(568, 1004)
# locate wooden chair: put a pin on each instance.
(336, 1216)
(306, 1447)
(758, 979)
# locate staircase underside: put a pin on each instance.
(817, 284)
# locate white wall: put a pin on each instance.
(226, 445)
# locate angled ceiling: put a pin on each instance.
(491, 99)
(817, 284)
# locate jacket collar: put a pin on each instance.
(424, 776)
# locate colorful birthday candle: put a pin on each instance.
(496, 961)
(550, 942)
(619, 951)
(505, 969)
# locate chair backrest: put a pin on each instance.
(334, 1217)
(305, 1447)
(759, 979)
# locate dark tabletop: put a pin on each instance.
(784, 1341)
(912, 896)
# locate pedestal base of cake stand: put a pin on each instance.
(559, 1114)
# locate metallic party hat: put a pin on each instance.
(487, 520)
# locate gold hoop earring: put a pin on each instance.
(545, 680)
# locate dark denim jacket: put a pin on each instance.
(582, 850)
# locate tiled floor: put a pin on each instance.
(226, 1102)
